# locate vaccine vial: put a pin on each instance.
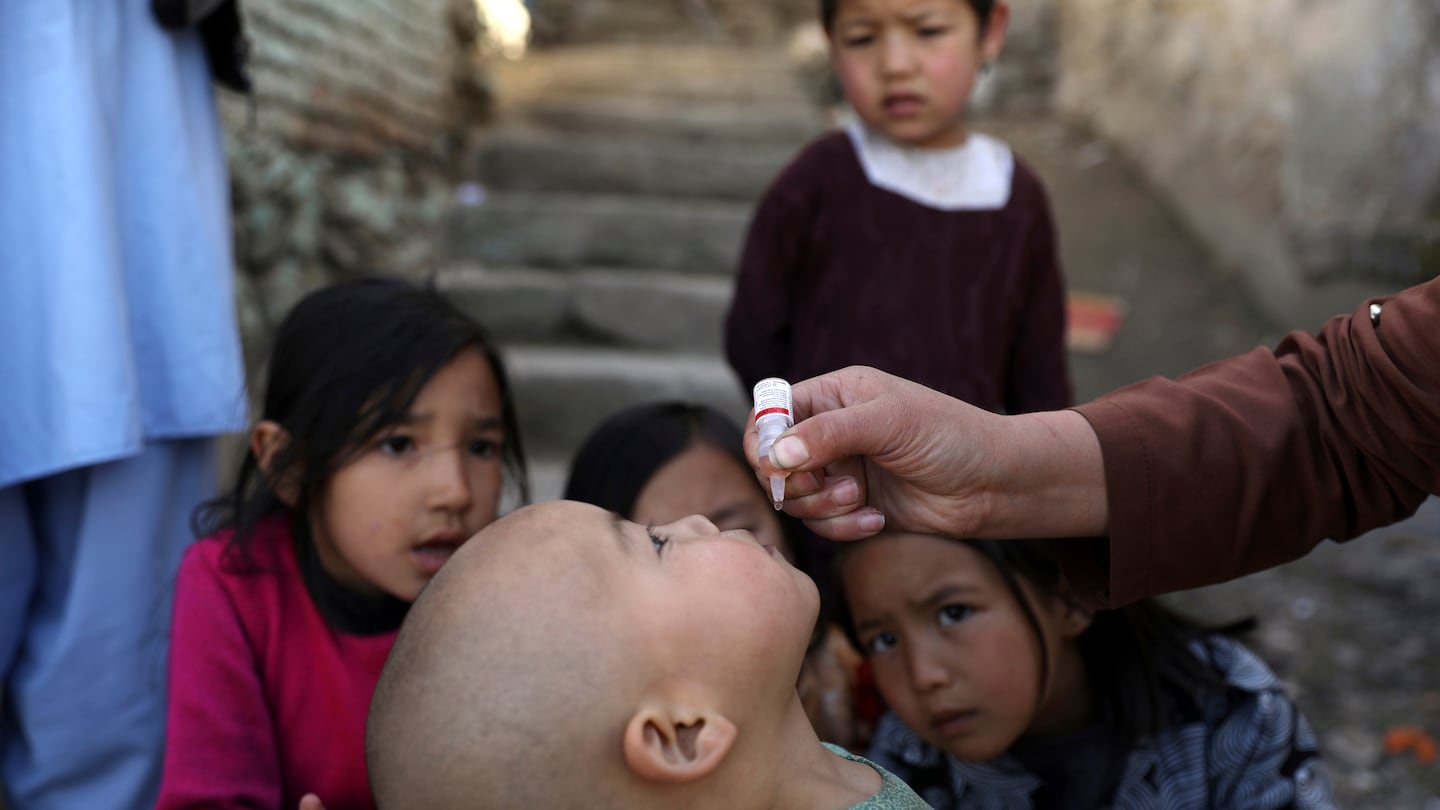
(774, 415)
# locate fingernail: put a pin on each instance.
(789, 453)
(871, 522)
(846, 492)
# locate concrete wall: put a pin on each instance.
(1296, 136)
(1023, 79)
(360, 112)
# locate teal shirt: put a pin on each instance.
(893, 795)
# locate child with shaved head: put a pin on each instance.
(569, 658)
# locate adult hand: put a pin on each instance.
(870, 450)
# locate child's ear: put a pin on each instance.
(993, 40)
(267, 439)
(666, 742)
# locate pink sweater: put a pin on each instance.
(267, 701)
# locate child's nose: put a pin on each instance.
(927, 670)
(897, 55)
(450, 480)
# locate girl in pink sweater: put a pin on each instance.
(387, 435)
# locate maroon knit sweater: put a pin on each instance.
(838, 272)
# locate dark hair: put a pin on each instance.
(621, 456)
(1135, 655)
(828, 8)
(347, 362)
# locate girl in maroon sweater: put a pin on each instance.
(387, 435)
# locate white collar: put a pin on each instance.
(974, 176)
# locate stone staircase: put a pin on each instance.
(600, 245)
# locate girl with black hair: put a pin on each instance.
(1006, 693)
(386, 438)
(659, 462)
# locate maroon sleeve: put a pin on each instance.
(220, 748)
(1039, 372)
(1252, 461)
(758, 325)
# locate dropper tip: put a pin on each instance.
(777, 491)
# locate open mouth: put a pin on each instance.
(431, 555)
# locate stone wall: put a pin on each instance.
(346, 159)
(1296, 136)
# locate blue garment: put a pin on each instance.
(117, 312)
(1251, 749)
(119, 362)
(87, 568)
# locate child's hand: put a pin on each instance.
(311, 802)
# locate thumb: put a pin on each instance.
(830, 436)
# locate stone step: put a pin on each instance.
(548, 474)
(779, 122)
(520, 161)
(563, 392)
(615, 21)
(624, 308)
(530, 229)
(660, 72)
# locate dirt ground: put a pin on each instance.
(1353, 629)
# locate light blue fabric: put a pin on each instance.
(87, 569)
(118, 353)
(117, 318)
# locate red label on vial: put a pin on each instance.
(768, 411)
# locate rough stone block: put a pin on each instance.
(554, 230)
(631, 166)
(652, 311)
(512, 305)
(746, 122)
(562, 393)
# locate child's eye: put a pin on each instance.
(396, 445)
(658, 541)
(932, 31)
(879, 643)
(954, 614)
(857, 41)
(485, 448)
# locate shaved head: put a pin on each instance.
(565, 657)
(505, 671)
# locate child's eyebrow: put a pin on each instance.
(944, 593)
(863, 625)
(726, 512)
